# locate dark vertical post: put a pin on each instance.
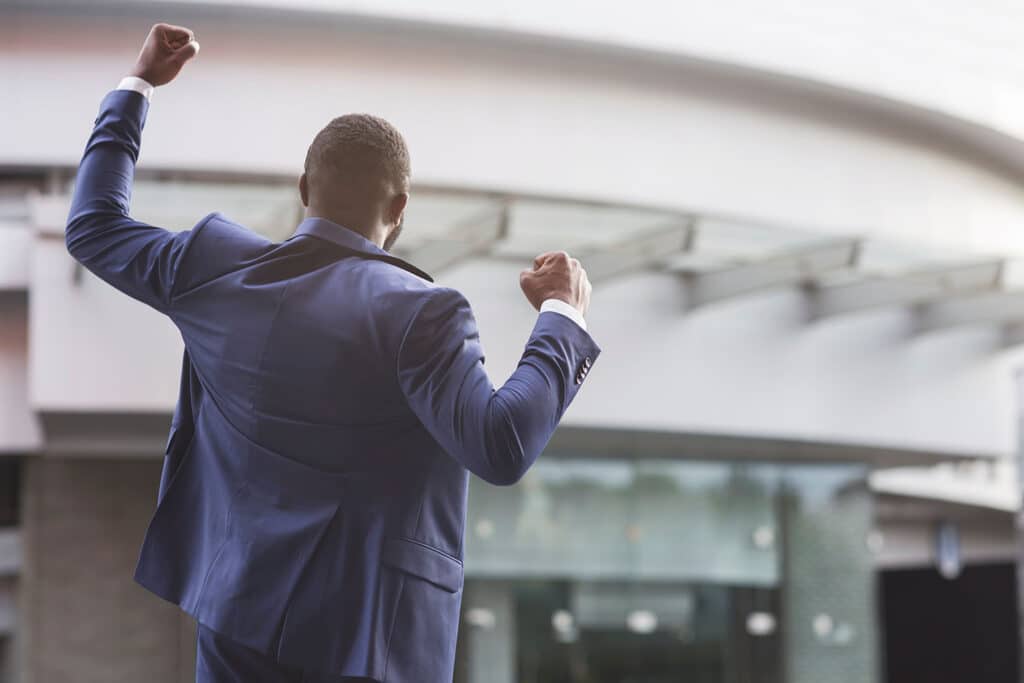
(1019, 381)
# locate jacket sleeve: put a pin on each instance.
(136, 258)
(497, 435)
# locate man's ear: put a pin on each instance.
(304, 190)
(396, 208)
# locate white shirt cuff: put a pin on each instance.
(562, 308)
(136, 84)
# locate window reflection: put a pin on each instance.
(621, 519)
(654, 570)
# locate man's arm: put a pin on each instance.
(137, 258)
(497, 435)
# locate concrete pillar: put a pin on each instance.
(82, 617)
(828, 593)
(1019, 516)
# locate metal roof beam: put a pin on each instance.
(910, 288)
(650, 248)
(472, 237)
(796, 267)
(994, 308)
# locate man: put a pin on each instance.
(312, 507)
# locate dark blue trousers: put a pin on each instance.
(221, 660)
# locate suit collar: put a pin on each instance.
(354, 242)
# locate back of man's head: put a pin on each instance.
(355, 168)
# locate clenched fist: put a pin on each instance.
(165, 51)
(555, 275)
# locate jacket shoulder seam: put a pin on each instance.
(185, 251)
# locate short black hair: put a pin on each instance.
(359, 150)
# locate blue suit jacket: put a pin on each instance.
(333, 400)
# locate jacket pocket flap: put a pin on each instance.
(421, 560)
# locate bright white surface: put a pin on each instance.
(988, 485)
(136, 84)
(961, 58)
(562, 308)
(498, 122)
(15, 243)
(750, 366)
(92, 348)
(19, 427)
(755, 367)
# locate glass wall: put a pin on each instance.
(608, 571)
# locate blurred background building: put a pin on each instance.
(804, 223)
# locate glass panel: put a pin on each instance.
(611, 632)
(646, 519)
(887, 258)
(595, 571)
(433, 216)
(538, 226)
(722, 243)
(271, 209)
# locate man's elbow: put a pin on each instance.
(83, 225)
(504, 475)
(71, 241)
(75, 231)
(507, 458)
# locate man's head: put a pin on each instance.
(357, 175)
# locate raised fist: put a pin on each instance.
(555, 275)
(165, 51)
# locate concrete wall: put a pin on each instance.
(749, 367)
(123, 356)
(909, 532)
(511, 118)
(19, 426)
(489, 116)
(945, 55)
(83, 619)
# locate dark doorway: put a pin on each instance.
(951, 631)
(10, 487)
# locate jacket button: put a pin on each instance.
(579, 378)
(587, 362)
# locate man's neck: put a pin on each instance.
(375, 235)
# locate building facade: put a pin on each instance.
(804, 270)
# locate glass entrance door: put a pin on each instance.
(649, 571)
(611, 632)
